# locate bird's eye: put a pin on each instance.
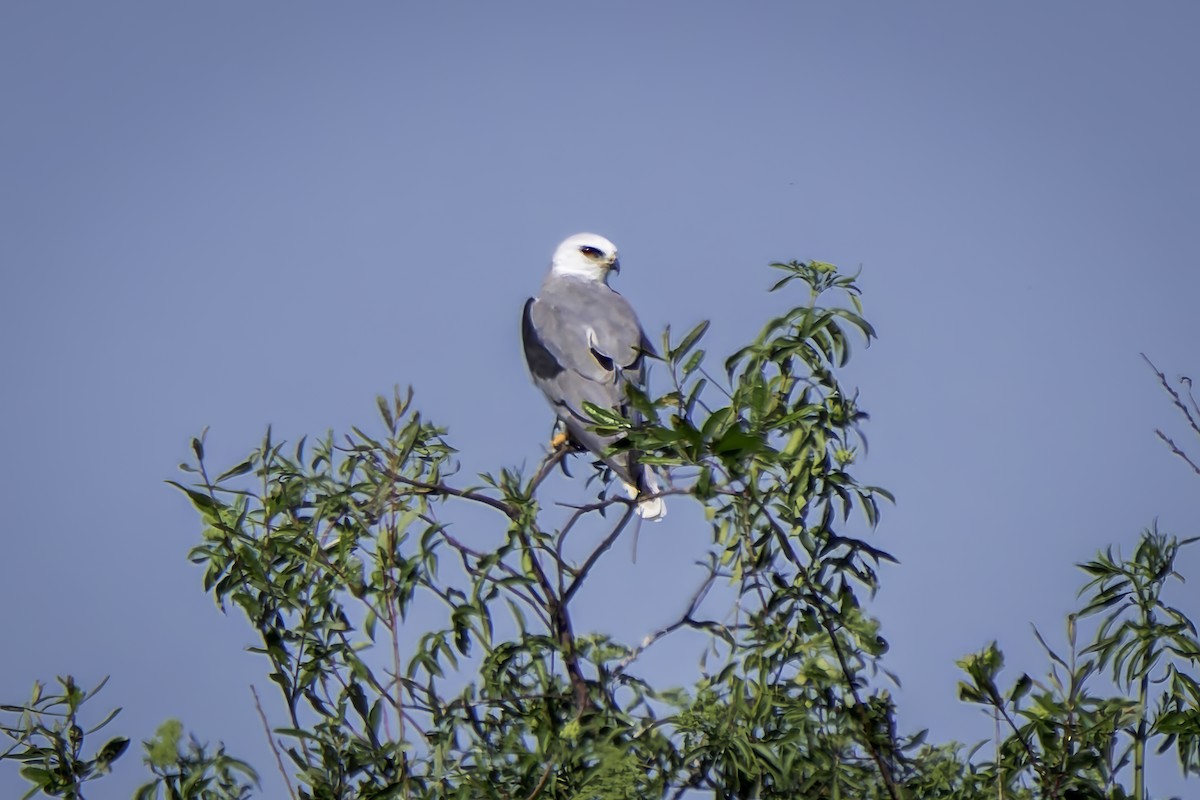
(591, 252)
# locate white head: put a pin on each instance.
(586, 255)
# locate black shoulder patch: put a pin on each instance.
(541, 361)
(601, 359)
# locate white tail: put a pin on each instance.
(652, 508)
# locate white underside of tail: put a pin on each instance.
(652, 508)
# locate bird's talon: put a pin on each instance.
(558, 440)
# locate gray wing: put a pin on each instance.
(583, 343)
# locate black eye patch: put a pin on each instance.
(591, 252)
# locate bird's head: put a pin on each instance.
(586, 255)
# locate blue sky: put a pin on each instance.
(234, 215)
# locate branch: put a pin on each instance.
(393, 623)
(595, 555)
(1174, 394)
(532, 599)
(274, 749)
(826, 617)
(579, 512)
(685, 619)
(1174, 448)
(541, 783)
(612, 500)
(466, 494)
(548, 464)
(1187, 413)
(1034, 761)
(561, 622)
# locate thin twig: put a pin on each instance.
(541, 783)
(826, 619)
(561, 539)
(393, 621)
(532, 599)
(1034, 761)
(548, 464)
(274, 749)
(1187, 413)
(1174, 448)
(561, 622)
(1174, 395)
(863, 719)
(684, 620)
(617, 499)
(603, 547)
(466, 494)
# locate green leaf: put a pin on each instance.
(737, 444)
(605, 417)
(716, 422)
(240, 469)
(1022, 687)
(201, 501)
(689, 341)
(1053, 655)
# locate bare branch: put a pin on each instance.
(560, 619)
(1175, 397)
(466, 494)
(270, 741)
(548, 463)
(685, 620)
(595, 555)
(580, 511)
(1177, 400)
(541, 783)
(1177, 450)
(535, 602)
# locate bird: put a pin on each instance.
(583, 343)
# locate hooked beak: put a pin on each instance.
(614, 265)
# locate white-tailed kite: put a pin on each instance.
(583, 343)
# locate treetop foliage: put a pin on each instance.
(417, 656)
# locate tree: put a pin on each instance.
(338, 551)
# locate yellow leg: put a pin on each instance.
(558, 439)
